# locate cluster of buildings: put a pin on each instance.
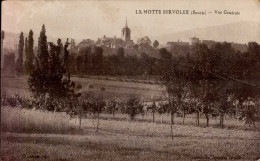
(126, 42)
(110, 42)
(194, 40)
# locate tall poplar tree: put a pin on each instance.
(66, 55)
(26, 49)
(19, 62)
(42, 53)
(29, 53)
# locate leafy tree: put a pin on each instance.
(121, 52)
(147, 65)
(245, 77)
(245, 94)
(163, 108)
(179, 50)
(164, 62)
(224, 105)
(72, 63)
(98, 61)
(66, 55)
(112, 107)
(228, 80)
(131, 66)
(79, 64)
(186, 108)
(176, 81)
(153, 109)
(155, 43)
(252, 58)
(100, 105)
(95, 103)
(135, 46)
(133, 107)
(199, 76)
(250, 111)
(144, 42)
(87, 66)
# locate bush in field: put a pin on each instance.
(153, 108)
(112, 107)
(58, 104)
(15, 101)
(91, 86)
(133, 107)
(9, 101)
(93, 102)
(78, 86)
(249, 111)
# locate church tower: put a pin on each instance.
(126, 33)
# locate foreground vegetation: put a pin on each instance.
(119, 140)
(34, 121)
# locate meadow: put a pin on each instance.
(41, 135)
(113, 88)
(120, 90)
(20, 120)
(35, 135)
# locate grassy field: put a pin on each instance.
(14, 84)
(53, 137)
(30, 121)
(190, 120)
(113, 89)
(38, 135)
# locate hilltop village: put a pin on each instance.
(144, 44)
(132, 53)
(110, 45)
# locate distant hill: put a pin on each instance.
(241, 32)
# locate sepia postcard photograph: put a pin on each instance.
(148, 80)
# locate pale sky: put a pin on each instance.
(93, 19)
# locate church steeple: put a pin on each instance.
(126, 32)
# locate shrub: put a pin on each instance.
(12, 101)
(133, 107)
(78, 86)
(91, 86)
